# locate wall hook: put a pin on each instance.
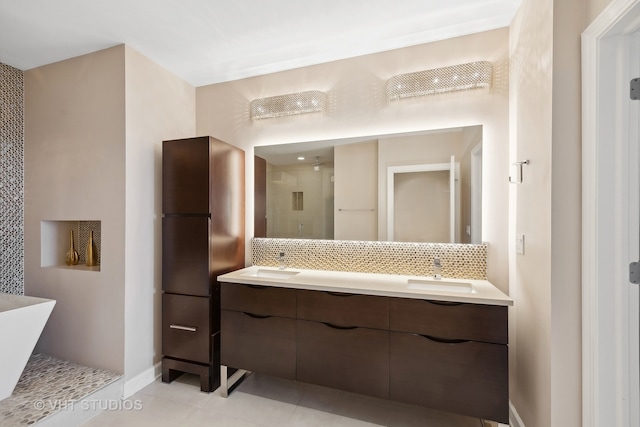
(518, 179)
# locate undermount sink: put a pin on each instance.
(272, 274)
(441, 285)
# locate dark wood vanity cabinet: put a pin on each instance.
(353, 359)
(450, 356)
(335, 332)
(447, 356)
(187, 327)
(258, 329)
(264, 344)
(450, 320)
(344, 309)
(202, 237)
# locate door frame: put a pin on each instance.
(454, 204)
(476, 194)
(609, 233)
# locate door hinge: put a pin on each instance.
(634, 89)
(634, 272)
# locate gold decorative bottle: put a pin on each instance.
(92, 251)
(71, 257)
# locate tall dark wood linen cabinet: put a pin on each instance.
(202, 237)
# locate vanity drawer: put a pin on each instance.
(186, 327)
(255, 343)
(343, 309)
(259, 300)
(439, 319)
(354, 359)
(468, 378)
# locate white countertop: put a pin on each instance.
(390, 285)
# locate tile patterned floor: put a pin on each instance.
(263, 401)
(46, 380)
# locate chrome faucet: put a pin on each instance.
(281, 263)
(437, 269)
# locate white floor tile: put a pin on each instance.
(185, 389)
(255, 409)
(306, 417)
(200, 417)
(263, 401)
(154, 411)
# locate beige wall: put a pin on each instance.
(566, 214)
(94, 126)
(159, 106)
(356, 190)
(75, 169)
(358, 107)
(530, 274)
(421, 207)
(592, 9)
(545, 128)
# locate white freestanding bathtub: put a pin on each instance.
(22, 319)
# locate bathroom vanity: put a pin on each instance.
(442, 344)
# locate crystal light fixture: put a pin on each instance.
(473, 75)
(287, 105)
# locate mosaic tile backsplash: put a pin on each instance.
(11, 180)
(462, 261)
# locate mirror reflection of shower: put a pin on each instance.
(300, 199)
(344, 187)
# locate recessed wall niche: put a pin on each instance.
(55, 243)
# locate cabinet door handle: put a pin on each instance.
(443, 340)
(255, 286)
(331, 325)
(183, 328)
(255, 316)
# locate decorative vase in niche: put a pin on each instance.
(92, 251)
(71, 257)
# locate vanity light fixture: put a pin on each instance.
(472, 75)
(312, 101)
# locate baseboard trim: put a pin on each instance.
(514, 417)
(141, 380)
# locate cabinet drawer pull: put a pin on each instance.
(255, 286)
(331, 325)
(255, 316)
(339, 294)
(448, 303)
(443, 340)
(184, 328)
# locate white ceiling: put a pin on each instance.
(212, 41)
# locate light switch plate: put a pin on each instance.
(520, 244)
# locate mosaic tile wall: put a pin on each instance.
(84, 227)
(461, 261)
(11, 180)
